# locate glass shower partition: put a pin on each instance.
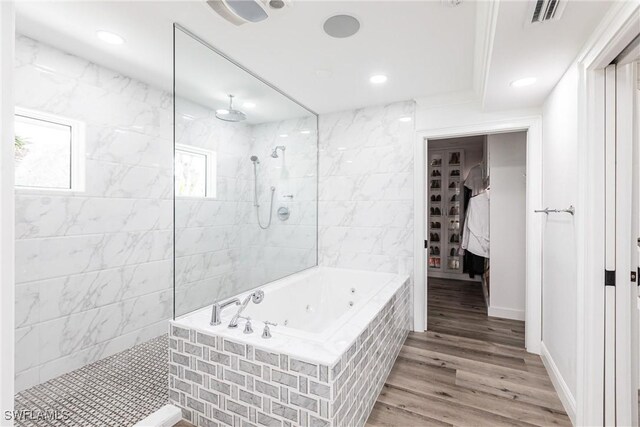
(246, 178)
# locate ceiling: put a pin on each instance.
(206, 78)
(543, 50)
(426, 48)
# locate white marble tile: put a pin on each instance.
(94, 268)
(366, 188)
(27, 347)
(39, 259)
(69, 334)
(55, 215)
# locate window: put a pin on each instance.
(195, 172)
(49, 152)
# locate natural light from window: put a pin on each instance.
(194, 172)
(43, 153)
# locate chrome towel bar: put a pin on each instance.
(570, 210)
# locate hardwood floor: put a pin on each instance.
(467, 370)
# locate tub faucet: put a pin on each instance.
(256, 297)
(216, 310)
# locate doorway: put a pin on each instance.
(476, 184)
(533, 267)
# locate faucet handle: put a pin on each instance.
(266, 333)
(247, 326)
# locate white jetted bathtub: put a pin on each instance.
(338, 333)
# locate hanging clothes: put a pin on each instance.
(475, 235)
(475, 180)
(471, 264)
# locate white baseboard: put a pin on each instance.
(567, 399)
(166, 416)
(506, 313)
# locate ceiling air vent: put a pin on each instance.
(547, 10)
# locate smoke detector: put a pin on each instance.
(240, 12)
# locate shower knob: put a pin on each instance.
(283, 213)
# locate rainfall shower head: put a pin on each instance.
(230, 115)
(254, 159)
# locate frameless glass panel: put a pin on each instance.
(266, 161)
(43, 153)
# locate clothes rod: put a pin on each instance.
(570, 210)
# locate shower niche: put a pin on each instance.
(245, 170)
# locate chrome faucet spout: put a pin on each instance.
(216, 310)
(256, 297)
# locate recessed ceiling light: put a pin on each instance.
(305, 132)
(283, 135)
(341, 26)
(527, 81)
(349, 161)
(109, 37)
(249, 105)
(378, 78)
(342, 148)
(405, 119)
(222, 112)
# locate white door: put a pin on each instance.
(621, 234)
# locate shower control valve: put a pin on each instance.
(266, 333)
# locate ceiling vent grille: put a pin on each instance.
(547, 10)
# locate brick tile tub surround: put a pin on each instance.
(217, 381)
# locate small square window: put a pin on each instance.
(49, 151)
(194, 172)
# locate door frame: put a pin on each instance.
(533, 126)
(617, 29)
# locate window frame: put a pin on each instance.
(210, 185)
(77, 167)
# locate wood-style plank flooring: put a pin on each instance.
(467, 370)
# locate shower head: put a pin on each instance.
(254, 159)
(230, 115)
(274, 153)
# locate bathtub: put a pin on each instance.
(338, 333)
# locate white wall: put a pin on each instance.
(507, 168)
(7, 32)
(560, 189)
(366, 189)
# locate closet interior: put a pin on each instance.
(475, 210)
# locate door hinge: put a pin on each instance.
(426, 244)
(609, 277)
(634, 277)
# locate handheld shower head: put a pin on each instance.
(254, 159)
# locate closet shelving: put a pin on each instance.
(445, 210)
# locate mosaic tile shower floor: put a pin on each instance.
(119, 390)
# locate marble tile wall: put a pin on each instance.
(220, 382)
(366, 189)
(93, 269)
(291, 245)
(220, 250)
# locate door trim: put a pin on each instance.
(533, 126)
